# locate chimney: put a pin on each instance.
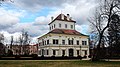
(52, 18)
(68, 17)
(62, 16)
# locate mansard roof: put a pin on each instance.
(66, 31)
(59, 17)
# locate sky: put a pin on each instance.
(34, 15)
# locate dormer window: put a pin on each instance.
(50, 28)
(59, 25)
(54, 25)
(65, 25)
(71, 26)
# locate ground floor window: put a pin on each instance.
(39, 52)
(43, 51)
(63, 52)
(47, 52)
(85, 52)
(54, 52)
(78, 52)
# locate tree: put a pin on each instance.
(2, 1)
(101, 20)
(24, 41)
(11, 42)
(1, 38)
(114, 36)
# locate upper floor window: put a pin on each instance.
(84, 42)
(59, 25)
(71, 26)
(55, 41)
(70, 42)
(43, 43)
(65, 25)
(47, 41)
(63, 42)
(77, 42)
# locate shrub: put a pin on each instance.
(89, 56)
(80, 57)
(84, 56)
(17, 56)
(34, 55)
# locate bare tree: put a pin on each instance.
(24, 41)
(2, 1)
(11, 42)
(1, 38)
(2, 46)
(102, 19)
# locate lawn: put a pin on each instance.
(75, 63)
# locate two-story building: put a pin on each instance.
(63, 39)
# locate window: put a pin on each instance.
(43, 42)
(84, 42)
(85, 52)
(71, 26)
(63, 52)
(63, 42)
(77, 42)
(55, 41)
(42, 51)
(70, 42)
(50, 28)
(59, 25)
(65, 25)
(47, 52)
(54, 25)
(77, 52)
(47, 41)
(54, 52)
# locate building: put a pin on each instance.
(63, 39)
(24, 49)
(20, 49)
(33, 49)
(3, 49)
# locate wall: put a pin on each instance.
(57, 22)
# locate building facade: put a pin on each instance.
(63, 39)
(33, 49)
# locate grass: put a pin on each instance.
(69, 63)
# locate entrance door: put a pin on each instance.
(71, 53)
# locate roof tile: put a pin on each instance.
(66, 31)
(65, 19)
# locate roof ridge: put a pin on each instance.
(64, 19)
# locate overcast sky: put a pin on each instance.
(34, 15)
